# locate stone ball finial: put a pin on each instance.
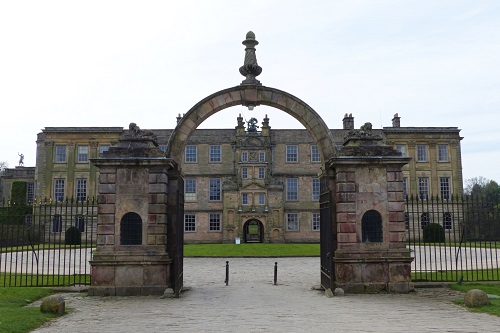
(250, 35)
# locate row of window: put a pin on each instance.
(292, 190)
(80, 189)
(447, 220)
(422, 152)
(424, 187)
(214, 222)
(82, 153)
(247, 173)
(57, 225)
(215, 155)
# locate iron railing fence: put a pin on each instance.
(46, 242)
(455, 239)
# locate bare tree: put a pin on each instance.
(3, 165)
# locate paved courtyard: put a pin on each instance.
(251, 303)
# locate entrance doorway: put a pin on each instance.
(253, 231)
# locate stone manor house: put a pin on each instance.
(252, 182)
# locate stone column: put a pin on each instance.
(131, 257)
(371, 253)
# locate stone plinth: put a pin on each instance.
(131, 257)
(371, 254)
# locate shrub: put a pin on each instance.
(17, 235)
(434, 233)
(73, 236)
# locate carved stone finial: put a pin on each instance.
(250, 68)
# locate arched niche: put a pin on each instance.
(131, 229)
(371, 227)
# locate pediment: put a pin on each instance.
(253, 187)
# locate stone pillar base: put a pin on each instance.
(129, 276)
(373, 271)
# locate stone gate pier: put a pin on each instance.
(371, 252)
(131, 257)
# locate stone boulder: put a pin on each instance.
(475, 298)
(53, 304)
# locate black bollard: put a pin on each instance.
(275, 273)
(227, 273)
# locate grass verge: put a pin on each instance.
(251, 250)
(28, 280)
(454, 276)
(15, 317)
(493, 289)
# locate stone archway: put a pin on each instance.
(251, 95)
(253, 231)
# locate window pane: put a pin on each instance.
(423, 187)
(262, 173)
(444, 183)
(244, 198)
(244, 156)
(189, 222)
(30, 193)
(103, 148)
(191, 154)
(292, 153)
(60, 154)
(292, 189)
(447, 221)
(262, 199)
(215, 155)
(443, 153)
(214, 191)
(57, 223)
(214, 222)
(292, 223)
(315, 223)
(59, 189)
(262, 156)
(315, 189)
(83, 154)
(81, 189)
(190, 189)
(80, 223)
(315, 157)
(244, 173)
(401, 149)
(421, 153)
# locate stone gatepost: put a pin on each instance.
(131, 257)
(371, 252)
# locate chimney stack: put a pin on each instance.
(348, 121)
(396, 121)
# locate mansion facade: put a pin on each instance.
(252, 182)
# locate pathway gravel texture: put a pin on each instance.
(252, 303)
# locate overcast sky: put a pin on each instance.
(109, 63)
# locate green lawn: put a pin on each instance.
(454, 276)
(15, 317)
(483, 244)
(251, 250)
(493, 289)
